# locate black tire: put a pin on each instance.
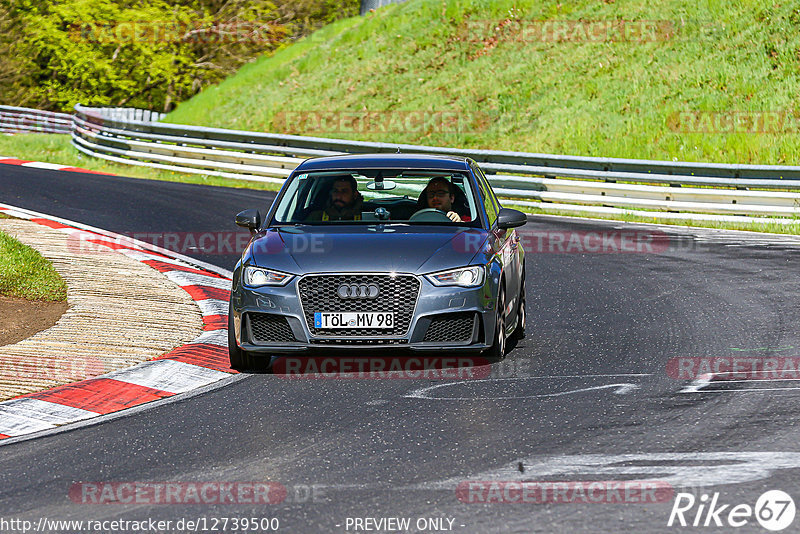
(519, 331)
(237, 356)
(241, 360)
(498, 349)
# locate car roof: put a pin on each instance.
(385, 161)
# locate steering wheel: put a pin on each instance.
(429, 215)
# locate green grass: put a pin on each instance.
(616, 99)
(24, 273)
(610, 98)
(56, 148)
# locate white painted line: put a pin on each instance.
(423, 393)
(26, 417)
(747, 390)
(547, 377)
(85, 235)
(213, 306)
(141, 255)
(15, 425)
(755, 380)
(698, 383)
(28, 214)
(624, 389)
(48, 412)
(698, 469)
(168, 375)
(594, 210)
(213, 337)
(42, 165)
(100, 419)
(701, 383)
(17, 214)
(183, 278)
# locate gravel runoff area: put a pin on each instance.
(120, 312)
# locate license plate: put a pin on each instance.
(353, 319)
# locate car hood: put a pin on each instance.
(400, 248)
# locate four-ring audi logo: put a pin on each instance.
(357, 291)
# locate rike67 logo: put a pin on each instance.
(774, 510)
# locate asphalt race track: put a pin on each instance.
(591, 394)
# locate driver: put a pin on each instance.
(440, 194)
(344, 203)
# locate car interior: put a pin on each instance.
(313, 195)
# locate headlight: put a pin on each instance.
(464, 277)
(257, 277)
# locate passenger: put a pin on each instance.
(440, 194)
(344, 203)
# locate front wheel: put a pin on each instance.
(498, 349)
(241, 360)
(519, 332)
(237, 356)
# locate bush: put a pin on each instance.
(150, 54)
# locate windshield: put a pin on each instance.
(379, 195)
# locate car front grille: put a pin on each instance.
(397, 293)
(269, 328)
(451, 327)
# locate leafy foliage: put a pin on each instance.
(149, 54)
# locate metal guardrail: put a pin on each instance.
(138, 137)
(130, 114)
(26, 120)
(637, 184)
(369, 5)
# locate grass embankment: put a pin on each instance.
(520, 84)
(24, 273)
(56, 148)
(523, 86)
(526, 86)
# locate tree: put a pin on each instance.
(150, 54)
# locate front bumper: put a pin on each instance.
(272, 320)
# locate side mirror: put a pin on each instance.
(508, 218)
(250, 219)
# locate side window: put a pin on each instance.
(491, 191)
(487, 194)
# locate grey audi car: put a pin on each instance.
(395, 251)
